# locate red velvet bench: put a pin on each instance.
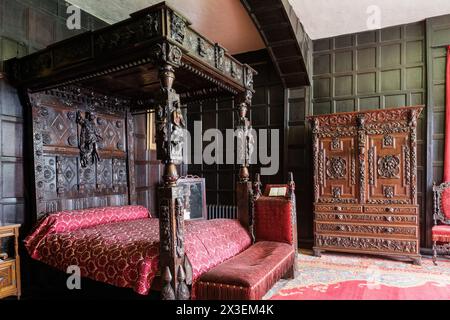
(252, 273)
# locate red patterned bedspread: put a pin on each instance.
(124, 252)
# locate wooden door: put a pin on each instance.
(337, 161)
(389, 169)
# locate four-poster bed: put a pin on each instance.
(82, 93)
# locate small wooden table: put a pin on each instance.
(10, 266)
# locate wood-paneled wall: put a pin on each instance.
(148, 169)
(298, 158)
(12, 206)
(25, 27)
(438, 38)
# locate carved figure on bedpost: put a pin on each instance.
(244, 130)
(170, 127)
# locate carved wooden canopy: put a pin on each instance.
(121, 59)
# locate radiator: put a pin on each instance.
(217, 211)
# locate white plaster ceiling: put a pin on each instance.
(327, 18)
(222, 21)
(227, 22)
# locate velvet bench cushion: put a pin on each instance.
(441, 233)
(247, 276)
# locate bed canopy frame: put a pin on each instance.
(153, 60)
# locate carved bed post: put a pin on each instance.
(245, 149)
(291, 195)
(256, 193)
(170, 127)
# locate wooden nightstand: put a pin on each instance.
(10, 266)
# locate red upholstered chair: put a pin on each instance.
(249, 275)
(441, 229)
(275, 215)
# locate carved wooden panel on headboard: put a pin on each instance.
(83, 147)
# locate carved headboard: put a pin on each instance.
(83, 151)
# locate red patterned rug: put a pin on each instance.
(350, 277)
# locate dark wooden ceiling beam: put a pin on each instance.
(286, 40)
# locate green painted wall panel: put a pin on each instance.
(393, 33)
(414, 51)
(414, 78)
(391, 80)
(395, 101)
(343, 86)
(366, 37)
(344, 61)
(367, 58)
(345, 105)
(366, 82)
(369, 103)
(391, 55)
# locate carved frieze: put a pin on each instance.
(178, 28)
(366, 218)
(370, 244)
(124, 35)
(368, 229)
(336, 200)
(220, 57)
(201, 48)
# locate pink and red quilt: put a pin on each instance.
(120, 245)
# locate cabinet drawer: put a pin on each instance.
(338, 208)
(367, 244)
(367, 218)
(367, 229)
(388, 209)
(7, 278)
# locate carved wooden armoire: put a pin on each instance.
(365, 182)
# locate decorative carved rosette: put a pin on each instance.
(336, 168)
(389, 166)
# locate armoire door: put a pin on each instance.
(389, 169)
(337, 170)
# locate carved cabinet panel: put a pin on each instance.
(337, 170)
(389, 169)
(365, 182)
